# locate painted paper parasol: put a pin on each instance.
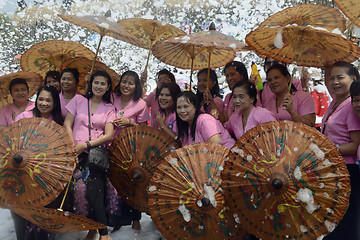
(55, 221)
(84, 65)
(315, 15)
(49, 55)
(148, 31)
(33, 80)
(134, 156)
(36, 164)
(285, 180)
(304, 45)
(185, 195)
(351, 8)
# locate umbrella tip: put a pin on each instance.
(277, 183)
(108, 13)
(136, 175)
(18, 158)
(212, 26)
(205, 202)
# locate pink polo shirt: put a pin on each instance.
(137, 111)
(219, 104)
(303, 104)
(6, 117)
(257, 115)
(28, 114)
(206, 127)
(78, 107)
(340, 124)
(63, 104)
(153, 104)
(228, 105)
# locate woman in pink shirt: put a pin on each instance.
(342, 126)
(102, 114)
(234, 72)
(294, 105)
(194, 126)
(19, 91)
(246, 115)
(52, 78)
(69, 81)
(47, 105)
(166, 117)
(163, 76)
(210, 99)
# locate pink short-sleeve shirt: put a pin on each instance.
(206, 127)
(340, 124)
(78, 107)
(154, 108)
(63, 104)
(303, 104)
(228, 104)
(219, 104)
(6, 115)
(28, 114)
(257, 116)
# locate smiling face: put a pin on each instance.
(127, 85)
(339, 82)
(165, 100)
(68, 82)
(19, 93)
(53, 82)
(356, 105)
(185, 110)
(278, 83)
(242, 100)
(202, 82)
(163, 78)
(45, 103)
(232, 76)
(99, 86)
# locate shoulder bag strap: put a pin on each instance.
(89, 119)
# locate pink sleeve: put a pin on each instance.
(72, 105)
(26, 114)
(143, 115)
(228, 125)
(3, 121)
(111, 116)
(219, 104)
(305, 103)
(352, 120)
(207, 126)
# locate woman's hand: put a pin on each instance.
(122, 122)
(160, 120)
(80, 148)
(215, 113)
(287, 103)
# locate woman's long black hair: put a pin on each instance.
(182, 125)
(56, 111)
(215, 90)
(107, 96)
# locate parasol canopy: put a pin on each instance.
(286, 180)
(185, 195)
(351, 8)
(303, 45)
(49, 55)
(55, 221)
(83, 65)
(36, 164)
(33, 80)
(134, 156)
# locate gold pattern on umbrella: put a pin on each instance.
(351, 8)
(56, 221)
(307, 14)
(33, 80)
(303, 45)
(185, 195)
(36, 164)
(84, 65)
(134, 156)
(49, 55)
(285, 180)
(148, 32)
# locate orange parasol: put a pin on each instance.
(103, 25)
(185, 197)
(56, 221)
(33, 80)
(37, 162)
(148, 31)
(351, 8)
(285, 180)
(315, 15)
(84, 65)
(49, 55)
(134, 156)
(303, 44)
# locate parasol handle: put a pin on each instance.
(291, 79)
(96, 54)
(192, 69)
(208, 72)
(66, 192)
(148, 57)
(277, 183)
(352, 23)
(205, 202)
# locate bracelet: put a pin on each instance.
(88, 144)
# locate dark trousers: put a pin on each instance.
(20, 225)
